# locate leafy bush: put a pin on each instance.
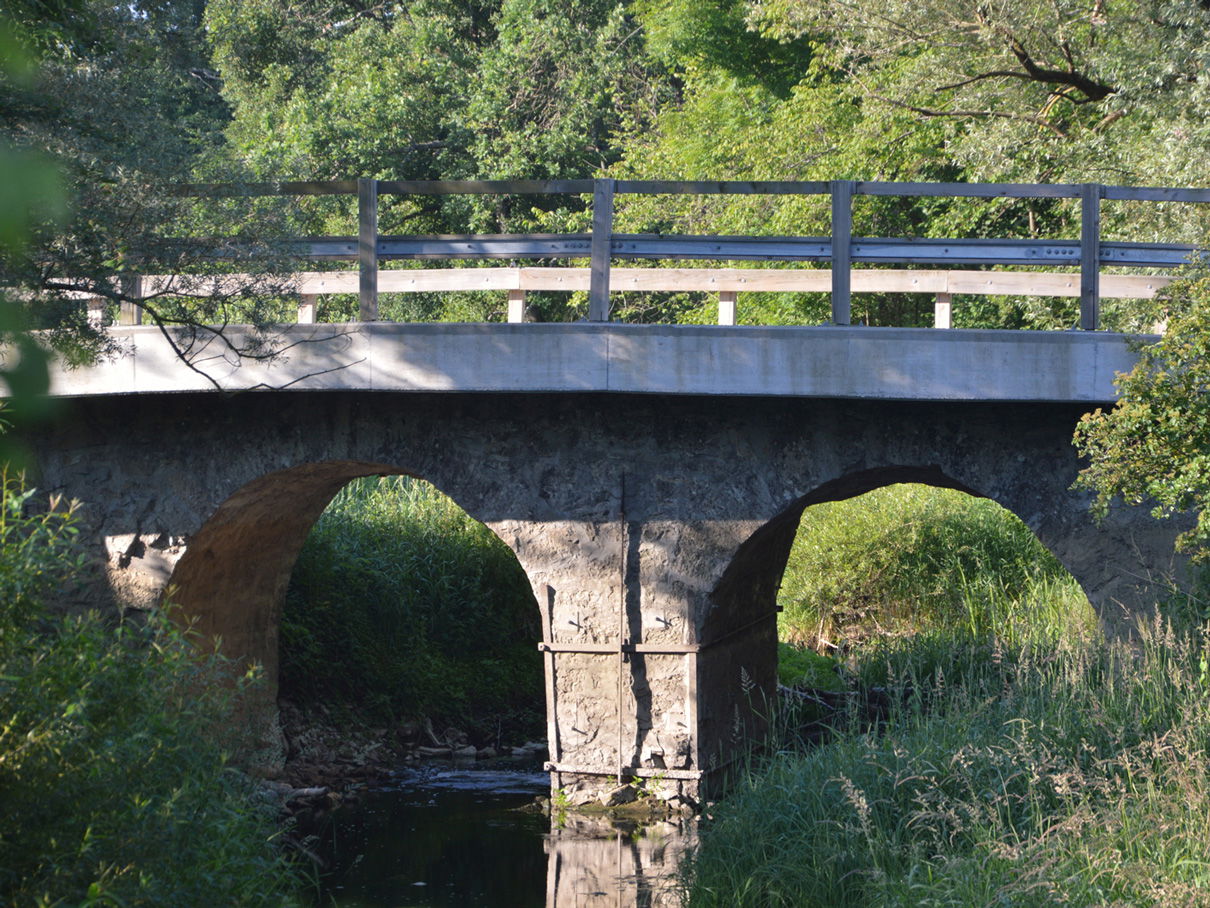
(909, 556)
(798, 666)
(404, 605)
(114, 786)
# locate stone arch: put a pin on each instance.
(737, 676)
(750, 581)
(232, 578)
(231, 581)
(743, 603)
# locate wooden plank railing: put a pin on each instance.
(841, 250)
(726, 282)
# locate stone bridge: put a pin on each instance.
(650, 480)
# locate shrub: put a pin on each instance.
(798, 666)
(114, 788)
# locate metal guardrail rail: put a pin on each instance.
(841, 250)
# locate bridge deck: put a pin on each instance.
(822, 362)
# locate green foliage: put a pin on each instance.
(691, 35)
(553, 88)
(38, 553)
(906, 557)
(320, 92)
(30, 195)
(798, 666)
(1153, 446)
(403, 604)
(436, 90)
(1026, 775)
(822, 128)
(113, 774)
(109, 112)
(1030, 90)
(945, 90)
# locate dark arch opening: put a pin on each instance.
(233, 575)
(404, 612)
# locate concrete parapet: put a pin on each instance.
(821, 362)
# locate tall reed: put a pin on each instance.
(1000, 774)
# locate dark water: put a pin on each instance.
(441, 837)
(446, 836)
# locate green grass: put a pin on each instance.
(798, 666)
(405, 607)
(995, 749)
(910, 556)
(1027, 775)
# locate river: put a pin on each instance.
(445, 836)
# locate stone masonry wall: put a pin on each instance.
(663, 521)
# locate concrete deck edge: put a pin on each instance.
(841, 362)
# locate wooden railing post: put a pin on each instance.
(726, 306)
(602, 239)
(943, 311)
(1090, 255)
(306, 308)
(516, 306)
(367, 248)
(842, 241)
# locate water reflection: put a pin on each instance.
(459, 838)
(594, 862)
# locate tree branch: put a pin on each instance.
(930, 112)
(1091, 89)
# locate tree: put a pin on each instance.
(1153, 446)
(433, 89)
(797, 118)
(698, 35)
(1030, 90)
(1036, 90)
(119, 104)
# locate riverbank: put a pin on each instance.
(1071, 772)
(338, 747)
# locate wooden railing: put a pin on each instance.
(840, 250)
